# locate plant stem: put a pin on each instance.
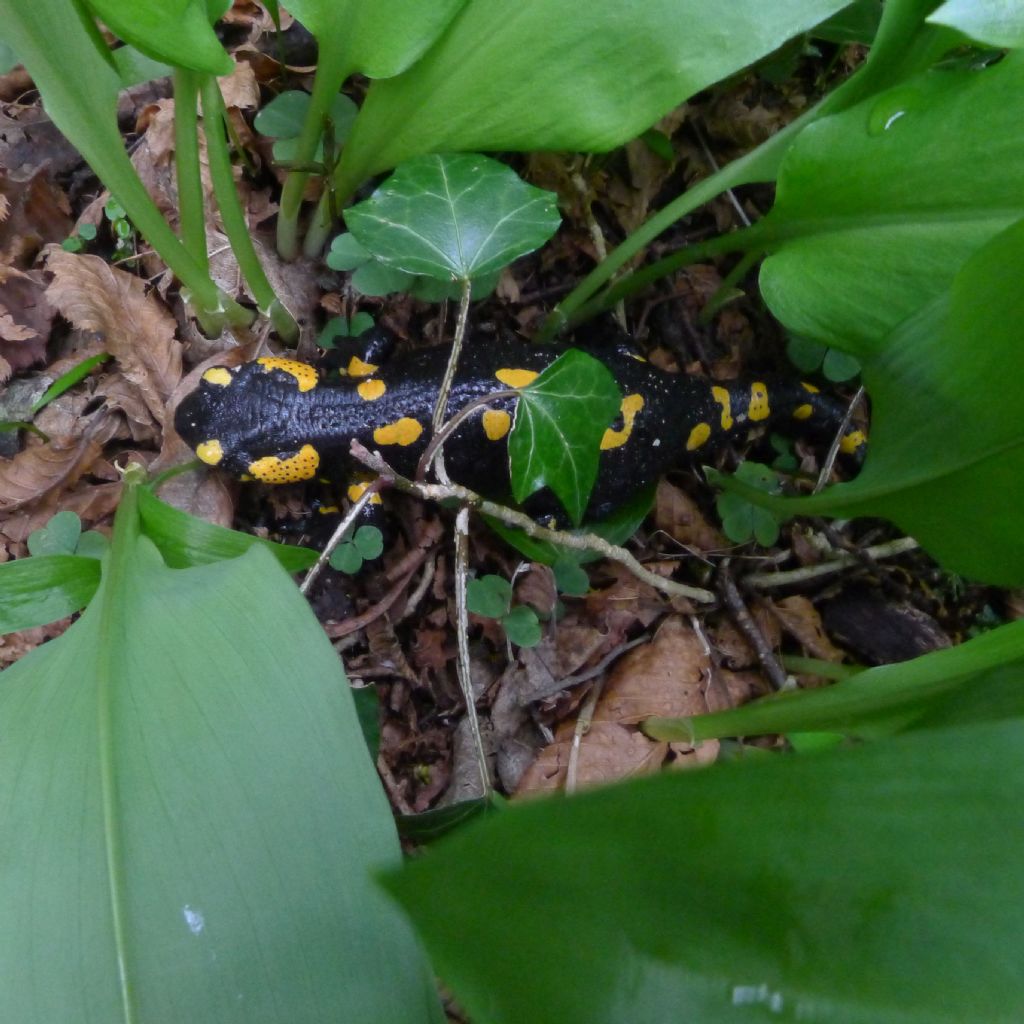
(444, 391)
(191, 213)
(319, 227)
(333, 69)
(232, 214)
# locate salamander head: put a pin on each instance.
(236, 420)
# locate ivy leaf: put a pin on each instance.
(453, 216)
(560, 419)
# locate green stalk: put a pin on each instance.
(333, 69)
(232, 214)
(904, 46)
(320, 226)
(191, 215)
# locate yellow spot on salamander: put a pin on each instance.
(210, 452)
(810, 387)
(304, 374)
(721, 396)
(218, 375)
(853, 440)
(328, 510)
(371, 389)
(803, 412)
(357, 368)
(273, 470)
(516, 378)
(496, 424)
(630, 406)
(759, 409)
(698, 436)
(405, 431)
(355, 492)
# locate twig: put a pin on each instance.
(583, 722)
(578, 542)
(783, 578)
(462, 632)
(833, 452)
(567, 682)
(423, 466)
(749, 628)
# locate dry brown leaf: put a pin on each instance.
(800, 619)
(667, 677)
(240, 88)
(22, 296)
(11, 331)
(91, 502)
(608, 753)
(680, 517)
(43, 468)
(135, 327)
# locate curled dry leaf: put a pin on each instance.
(135, 328)
(25, 310)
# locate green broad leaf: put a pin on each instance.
(946, 456)
(176, 32)
(997, 22)
(58, 537)
(184, 540)
(544, 77)
(522, 626)
(616, 529)
(559, 422)
(83, 106)
(878, 207)
(378, 39)
(828, 888)
(346, 253)
(806, 355)
(857, 23)
(742, 519)
(191, 820)
(8, 58)
(135, 68)
(454, 216)
(489, 596)
(38, 590)
(884, 700)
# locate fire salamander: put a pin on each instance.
(272, 419)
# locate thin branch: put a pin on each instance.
(575, 541)
(429, 454)
(748, 627)
(453, 360)
(830, 460)
(462, 633)
(890, 549)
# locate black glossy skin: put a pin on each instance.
(262, 412)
